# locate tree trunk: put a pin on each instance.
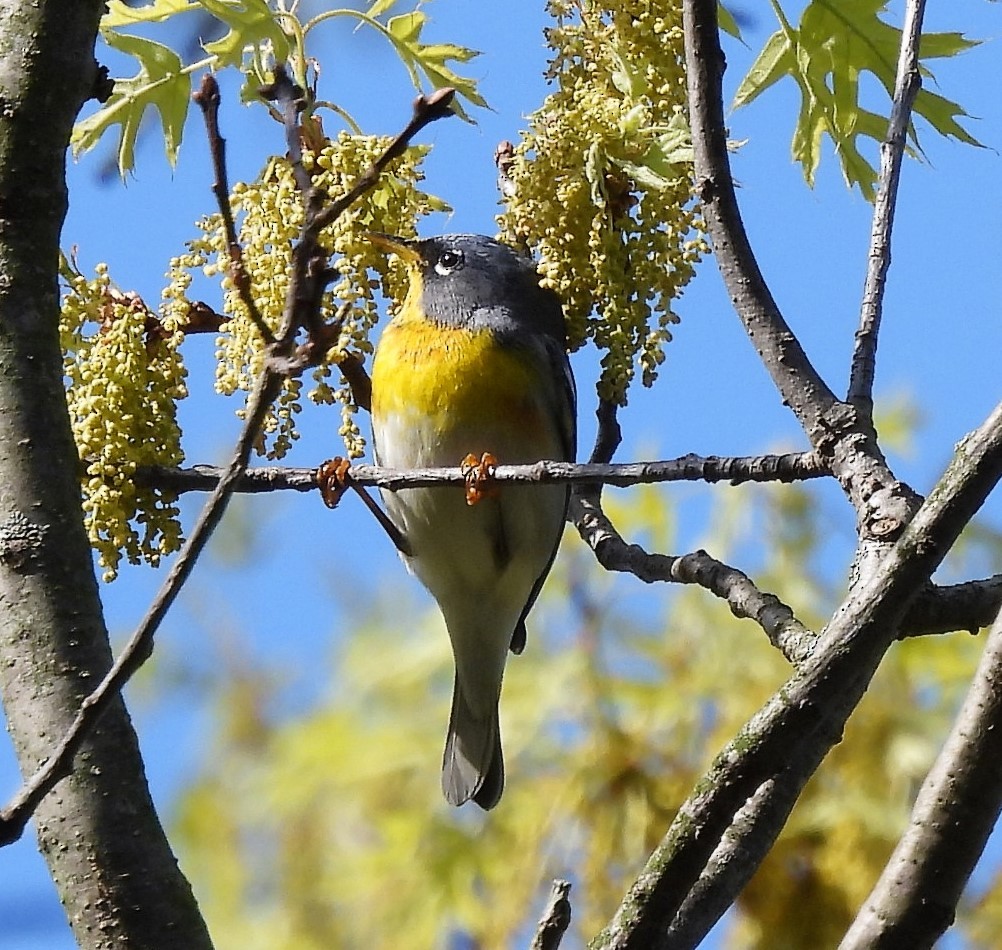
(107, 853)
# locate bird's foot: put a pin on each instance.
(479, 475)
(332, 479)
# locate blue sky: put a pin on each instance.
(940, 341)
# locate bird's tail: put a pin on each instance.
(472, 767)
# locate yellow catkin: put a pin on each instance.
(602, 178)
(124, 378)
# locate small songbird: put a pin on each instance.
(474, 365)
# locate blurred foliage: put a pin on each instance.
(327, 829)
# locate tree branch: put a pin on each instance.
(555, 920)
(798, 382)
(915, 899)
(19, 810)
(736, 471)
(892, 149)
(883, 505)
(785, 632)
(207, 98)
(968, 606)
(775, 754)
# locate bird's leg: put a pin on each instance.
(334, 479)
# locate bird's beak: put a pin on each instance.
(404, 248)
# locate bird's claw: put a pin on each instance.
(332, 480)
(480, 478)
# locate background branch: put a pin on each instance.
(915, 899)
(772, 758)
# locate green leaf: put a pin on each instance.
(826, 54)
(252, 25)
(727, 23)
(432, 59)
(380, 7)
(120, 14)
(160, 83)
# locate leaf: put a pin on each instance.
(380, 7)
(160, 83)
(834, 44)
(252, 25)
(432, 59)
(120, 14)
(727, 22)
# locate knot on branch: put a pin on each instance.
(20, 541)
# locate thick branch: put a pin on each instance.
(112, 866)
(968, 606)
(915, 899)
(892, 150)
(780, 748)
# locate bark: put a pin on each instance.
(98, 831)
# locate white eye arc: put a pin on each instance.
(448, 261)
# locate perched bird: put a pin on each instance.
(474, 364)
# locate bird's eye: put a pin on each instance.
(448, 261)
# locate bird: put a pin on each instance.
(473, 366)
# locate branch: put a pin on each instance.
(892, 149)
(883, 505)
(785, 632)
(775, 754)
(736, 471)
(207, 98)
(969, 606)
(555, 920)
(915, 900)
(15, 815)
(798, 382)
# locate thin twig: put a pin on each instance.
(15, 815)
(794, 467)
(207, 98)
(426, 109)
(915, 899)
(892, 150)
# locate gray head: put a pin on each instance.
(474, 281)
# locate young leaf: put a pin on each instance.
(121, 14)
(252, 24)
(432, 59)
(834, 43)
(160, 83)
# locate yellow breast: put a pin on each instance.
(450, 376)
